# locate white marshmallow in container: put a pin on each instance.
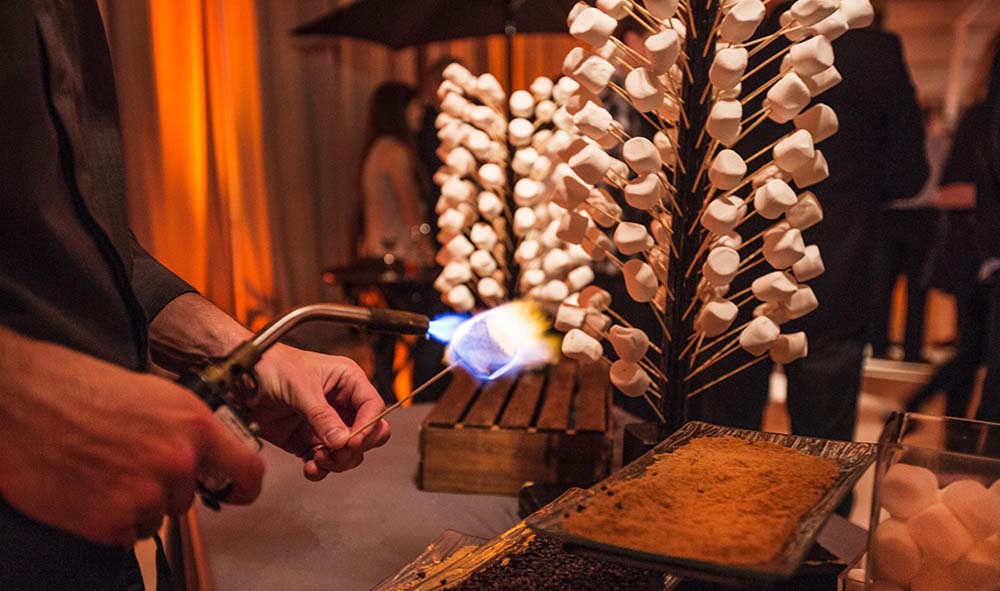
(896, 557)
(630, 379)
(593, 26)
(935, 575)
(590, 164)
(774, 287)
(810, 12)
(728, 67)
(741, 21)
(812, 56)
(482, 262)
(802, 302)
(460, 298)
(810, 266)
(832, 27)
(644, 90)
(489, 205)
(790, 347)
(857, 13)
(644, 192)
(640, 280)
(784, 249)
(759, 335)
(716, 316)
(823, 81)
(572, 227)
(721, 265)
(940, 535)
(794, 151)
(580, 277)
(727, 170)
(632, 238)
(569, 317)
(582, 347)
(592, 120)
(980, 567)
(663, 49)
(720, 217)
(594, 73)
(524, 220)
(975, 507)
(724, 121)
(774, 199)
(661, 9)
(820, 120)
(906, 490)
(816, 171)
(806, 213)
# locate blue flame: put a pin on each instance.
(442, 328)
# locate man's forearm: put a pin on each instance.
(190, 330)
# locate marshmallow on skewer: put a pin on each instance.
(640, 280)
(720, 217)
(595, 298)
(794, 151)
(522, 104)
(447, 86)
(759, 335)
(728, 68)
(457, 272)
(531, 278)
(483, 236)
(596, 324)
(664, 145)
(806, 213)
(823, 81)
(644, 192)
(817, 170)
(810, 265)
(767, 173)
(774, 199)
(716, 316)
(663, 49)
(724, 121)
(541, 89)
(565, 87)
(488, 89)
(459, 74)
(802, 302)
(451, 221)
(642, 156)
(789, 94)
(630, 379)
(570, 189)
(590, 163)
(461, 161)
(575, 12)
(569, 317)
(519, 132)
(490, 290)
(721, 265)
(527, 192)
(644, 89)
(832, 27)
(579, 100)
(491, 176)
(524, 220)
(727, 170)
(554, 291)
(810, 12)
(773, 310)
(593, 26)
(632, 238)
(630, 344)
(820, 120)
(602, 208)
(523, 160)
(456, 105)
(489, 205)
(784, 249)
(774, 287)
(593, 120)
(460, 298)
(857, 13)
(594, 73)
(812, 56)
(556, 262)
(662, 9)
(483, 263)
(544, 111)
(572, 227)
(616, 9)
(731, 240)
(742, 20)
(581, 347)
(579, 278)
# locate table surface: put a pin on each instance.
(348, 532)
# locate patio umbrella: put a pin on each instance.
(405, 23)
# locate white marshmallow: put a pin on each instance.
(720, 217)
(532, 277)
(716, 316)
(483, 236)
(569, 317)
(774, 287)
(519, 132)
(773, 310)
(767, 173)
(939, 533)
(457, 272)
(554, 291)
(642, 156)
(458, 74)
(782, 250)
(630, 379)
(556, 263)
(640, 280)
(644, 192)
(812, 56)
(479, 143)
(524, 220)
(630, 344)
(482, 263)
(727, 170)
(460, 298)
(661, 230)
(483, 117)
(742, 20)
(979, 569)
(550, 236)
(580, 277)
(596, 324)
(461, 161)
(823, 81)
(789, 347)
(490, 290)
(663, 49)
(810, 12)
(594, 73)
(975, 507)
(541, 88)
(810, 265)
(581, 347)
(451, 221)
(571, 190)
(590, 164)
(632, 238)
(456, 105)
(895, 555)
(794, 151)
(818, 170)
(857, 13)
(458, 247)
(935, 576)
(577, 254)
(542, 168)
(665, 146)
(832, 27)
(491, 176)
(820, 120)
(592, 120)
(522, 103)
(731, 240)
(575, 12)
(759, 335)
(544, 111)
(572, 227)
(662, 9)
(774, 199)
(644, 90)
(724, 121)
(728, 68)
(565, 87)
(593, 26)
(906, 490)
(489, 205)
(527, 192)
(616, 9)
(789, 95)
(802, 302)
(721, 265)
(806, 213)
(523, 160)
(489, 90)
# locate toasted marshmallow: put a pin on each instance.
(774, 287)
(644, 192)
(806, 213)
(819, 120)
(810, 265)
(644, 90)
(642, 156)
(742, 20)
(818, 170)
(593, 26)
(812, 56)
(630, 379)
(593, 120)
(663, 49)
(823, 81)
(721, 265)
(728, 68)
(590, 164)
(582, 347)
(789, 347)
(783, 249)
(810, 12)
(794, 151)
(802, 302)
(759, 335)
(789, 94)
(774, 199)
(489, 205)
(632, 238)
(724, 121)
(727, 170)
(594, 73)
(720, 217)
(716, 316)
(579, 277)
(460, 298)
(640, 280)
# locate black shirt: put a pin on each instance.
(71, 272)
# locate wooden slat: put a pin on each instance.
(485, 410)
(455, 400)
(523, 401)
(558, 396)
(592, 398)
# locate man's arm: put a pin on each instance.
(153, 284)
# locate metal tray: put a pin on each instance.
(852, 460)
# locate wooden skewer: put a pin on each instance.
(655, 409)
(764, 63)
(728, 375)
(402, 401)
(731, 348)
(762, 88)
(697, 351)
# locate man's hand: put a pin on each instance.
(102, 452)
(309, 405)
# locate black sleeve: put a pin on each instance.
(905, 161)
(961, 165)
(153, 284)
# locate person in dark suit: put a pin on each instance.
(877, 155)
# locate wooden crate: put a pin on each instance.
(546, 426)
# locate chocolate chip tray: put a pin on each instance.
(852, 460)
